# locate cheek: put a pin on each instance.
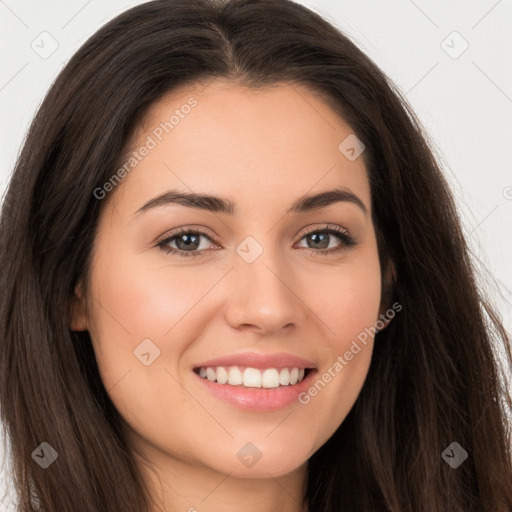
(146, 299)
(349, 309)
(345, 297)
(135, 299)
(141, 309)
(356, 303)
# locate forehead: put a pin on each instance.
(258, 145)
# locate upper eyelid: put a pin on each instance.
(185, 229)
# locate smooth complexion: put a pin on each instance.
(262, 150)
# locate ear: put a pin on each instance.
(388, 285)
(78, 310)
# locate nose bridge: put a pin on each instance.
(261, 292)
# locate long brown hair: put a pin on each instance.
(434, 377)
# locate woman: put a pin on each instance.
(322, 347)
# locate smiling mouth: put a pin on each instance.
(248, 377)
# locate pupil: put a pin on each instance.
(187, 240)
(323, 244)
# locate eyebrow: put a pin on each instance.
(219, 205)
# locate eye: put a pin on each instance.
(187, 241)
(319, 241)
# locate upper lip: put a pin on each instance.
(260, 361)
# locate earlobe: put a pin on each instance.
(78, 310)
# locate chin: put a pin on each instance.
(260, 459)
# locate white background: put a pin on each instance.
(465, 103)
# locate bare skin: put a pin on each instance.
(263, 150)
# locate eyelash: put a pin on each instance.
(346, 239)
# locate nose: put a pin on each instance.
(263, 295)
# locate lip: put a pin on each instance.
(258, 399)
(259, 361)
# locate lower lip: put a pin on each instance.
(258, 399)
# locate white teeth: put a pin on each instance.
(222, 375)
(284, 377)
(235, 376)
(270, 378)
(253, 377)
(210, 374)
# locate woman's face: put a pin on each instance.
(266, 289)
